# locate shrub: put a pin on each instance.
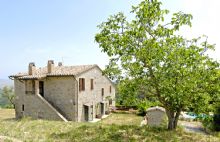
(208, 123)
(98, 116)
(107, 112)
(213, 122)
(216, 118)
(144, 105)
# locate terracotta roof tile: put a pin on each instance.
(58, 71)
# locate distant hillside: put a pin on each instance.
(6, 82)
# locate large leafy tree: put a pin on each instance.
(149, 50)
(131, 93)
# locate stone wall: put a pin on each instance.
(60, 92)
(30, 105)
(19, 97)
(38, 109)
(94, 97)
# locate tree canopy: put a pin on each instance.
(149, 50)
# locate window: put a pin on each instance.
(110, 89)
(22, 107)
(92, 85)
(102, 91)
(81, 84)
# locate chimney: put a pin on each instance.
(50, 66)
(31, 68)
(60, 64)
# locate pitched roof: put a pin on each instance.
(58, 71)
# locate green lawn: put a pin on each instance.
(115, 128)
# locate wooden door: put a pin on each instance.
(41, 88)
(86, 113)
(102, 109)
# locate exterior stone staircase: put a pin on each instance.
(52, 108)
(59, 110)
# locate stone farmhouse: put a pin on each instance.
(66, 93)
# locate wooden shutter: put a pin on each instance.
(92, 86)
(110, 89)
(80, 84)
(102, 91)
(83, 84)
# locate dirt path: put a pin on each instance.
(3, 138)
(195, 127)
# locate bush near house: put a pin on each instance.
(212, 123)
(144, 105)
(216, 118)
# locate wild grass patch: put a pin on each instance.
(115, 128)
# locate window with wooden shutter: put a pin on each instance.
(92, 85)
(81, 84)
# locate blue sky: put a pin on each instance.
(63, 30)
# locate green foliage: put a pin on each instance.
(208, 123)
(131, 93)
(144, 105)
(3, 100)
(127, 93)
(7, 97)
(212, 123)
(150, 52)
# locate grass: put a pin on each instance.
(122, 119)
(7, 114)
(115, 128)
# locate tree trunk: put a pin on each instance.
(172, 119)
(170, 116)
(177, 118)
(170, 123)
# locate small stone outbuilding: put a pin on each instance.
(156, 116)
